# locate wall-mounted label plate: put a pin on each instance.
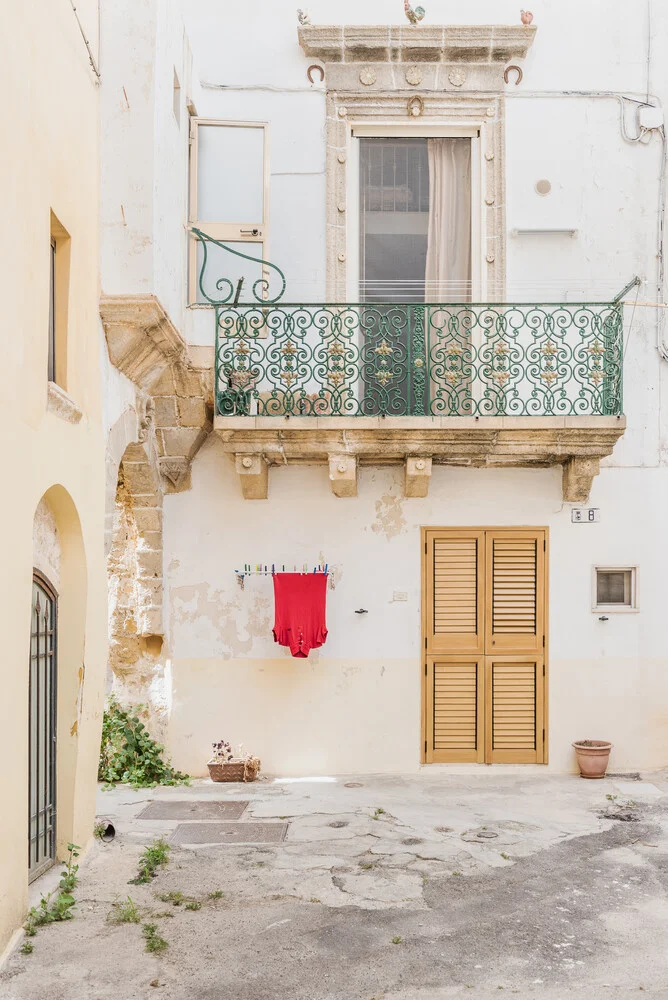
(586, 515)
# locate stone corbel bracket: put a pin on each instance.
(417, 476)
(578, 477)
(145, 345)
(343, 475)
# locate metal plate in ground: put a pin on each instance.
(229, 833)
(182, 809)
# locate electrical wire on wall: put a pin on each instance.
(86, 43)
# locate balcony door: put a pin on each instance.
(415, 219)
(413, 245)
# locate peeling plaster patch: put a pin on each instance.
(197, 602)
(390, 520)
(174, 565)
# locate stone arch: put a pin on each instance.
(135, 578)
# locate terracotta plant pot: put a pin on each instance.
(592, 757)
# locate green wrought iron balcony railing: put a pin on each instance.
(413, 359)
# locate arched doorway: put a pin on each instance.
(42, 721)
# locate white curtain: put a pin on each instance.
(448, 268)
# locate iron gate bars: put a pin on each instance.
(42, 729)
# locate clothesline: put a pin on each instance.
(260, 569)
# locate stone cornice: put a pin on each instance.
(141, 337)
(145, 345)
(431, 43)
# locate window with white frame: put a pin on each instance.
(615, 588)
(229, 202)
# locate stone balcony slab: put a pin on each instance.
(577, 443)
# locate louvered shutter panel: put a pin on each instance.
(455, 705)
(515, 562)
(454, 591)
(514, 697)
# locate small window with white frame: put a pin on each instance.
(615, 588)
(229, 202)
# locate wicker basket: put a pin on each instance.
(234, 770)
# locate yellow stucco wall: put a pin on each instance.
(49, 124)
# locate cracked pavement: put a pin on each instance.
(427, 887)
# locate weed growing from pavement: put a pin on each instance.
(194, 904)
(378, 813)
(397, 939)
(69, 875)
(216, 894)
(175, 898)
(27, 948)
(56, 906)
(154, 942)
(506, 857)
(154, 857)
(99, 830)
(125, 913)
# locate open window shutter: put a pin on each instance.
(454, 702)
(514, 709)
(515, 582)
(454, 591)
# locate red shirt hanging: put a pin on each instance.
(300, 601)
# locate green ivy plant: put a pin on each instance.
(128, 754)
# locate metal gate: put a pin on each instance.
(42, 729)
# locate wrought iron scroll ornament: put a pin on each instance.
(227, 287)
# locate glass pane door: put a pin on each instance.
(415, 251)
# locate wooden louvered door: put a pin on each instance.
(484, 618)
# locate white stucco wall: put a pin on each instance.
(145, 151)
(355, 704)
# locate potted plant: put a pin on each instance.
(228, 766)
(592, 756)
